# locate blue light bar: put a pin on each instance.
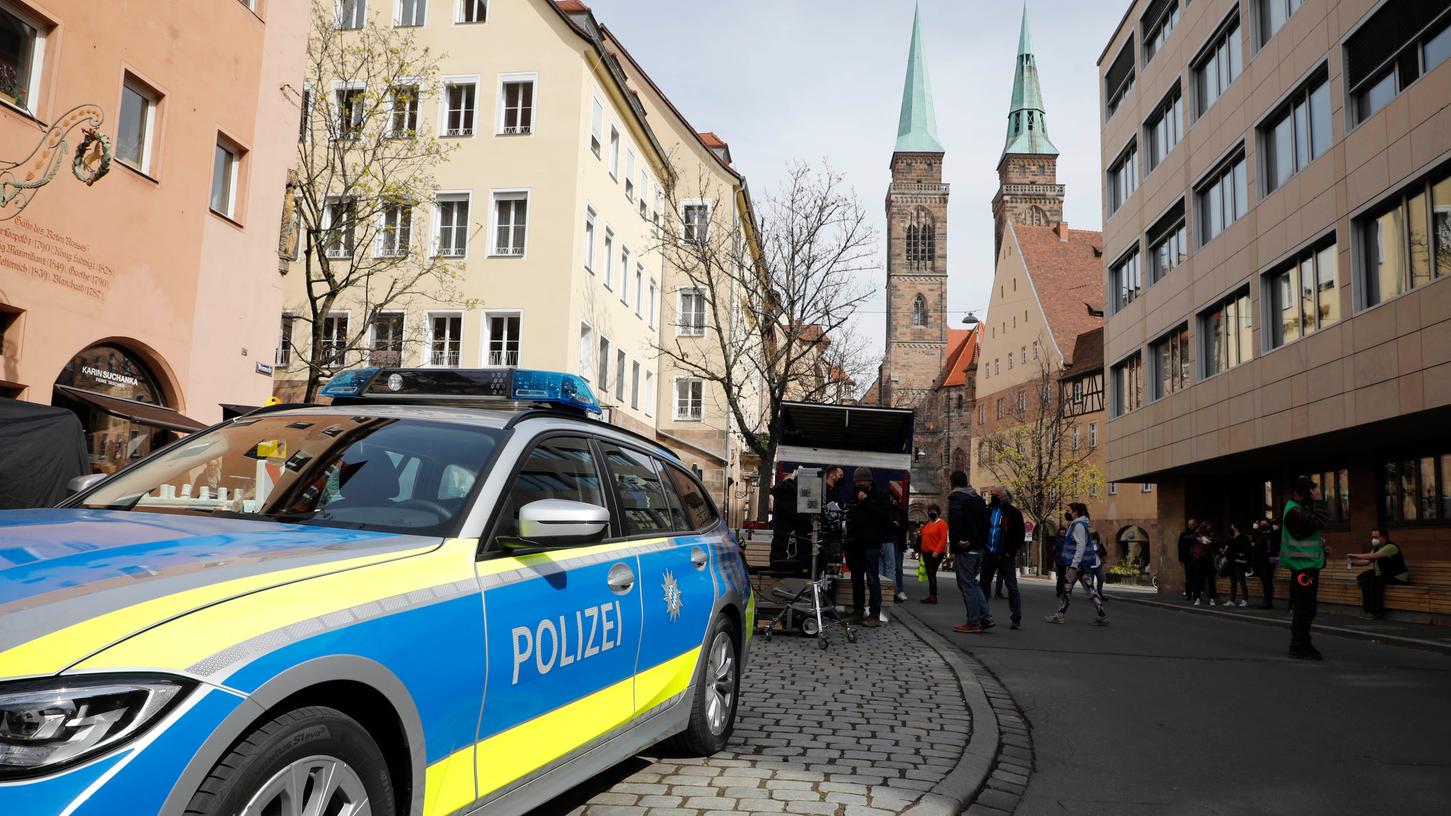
(554, 387)
(348, 383)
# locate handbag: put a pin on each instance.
(921, 571)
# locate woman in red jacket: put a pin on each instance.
(934, 549)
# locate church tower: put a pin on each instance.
(1028, 188)
(916, 244)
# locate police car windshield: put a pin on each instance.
(373, 473)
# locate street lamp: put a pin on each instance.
(970, 321)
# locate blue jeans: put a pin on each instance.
(967, 566)
(887, 559)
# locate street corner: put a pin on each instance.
(878, 726)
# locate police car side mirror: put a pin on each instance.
(562, 523)
(80, 484)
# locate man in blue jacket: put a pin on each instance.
(967, 531)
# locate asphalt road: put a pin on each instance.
(1168, 713)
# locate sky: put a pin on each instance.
(814, 80)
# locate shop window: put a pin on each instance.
(1303, 295)
(1406, 243)
(1226, 329)
(1415, 491)
(1335, 493)
(22, 56)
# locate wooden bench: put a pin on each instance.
(1428, 592)
(758, 558)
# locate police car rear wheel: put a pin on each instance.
(311, 760)
(713, 709)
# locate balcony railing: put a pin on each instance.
(503, 358)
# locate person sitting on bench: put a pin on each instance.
(1388, 566)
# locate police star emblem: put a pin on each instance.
(674, 599)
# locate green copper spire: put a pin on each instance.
(1027, 123)
(917, 129)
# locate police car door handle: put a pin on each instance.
(699, 558)
(621, 579)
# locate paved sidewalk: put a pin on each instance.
(818, 732)
(1417, 635)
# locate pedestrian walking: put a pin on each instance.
(1302, 550)
(1188, 562)
(933, 549)
(1237, 565)
(967, 529)
(1387, 566)
(1206, 549)
(895, 553)
(1078, 560)
(1263, 556)
(1005, 538)
(869, 527)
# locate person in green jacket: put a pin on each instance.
(1388, 567)
(1302, 552)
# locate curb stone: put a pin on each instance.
(994, 717)
(1354, 634)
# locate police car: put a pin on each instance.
(448, 592)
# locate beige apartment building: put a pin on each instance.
(1277, 239)
(118, 300)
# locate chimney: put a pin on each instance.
(1061, 228)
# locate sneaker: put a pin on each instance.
(987, 623)
(901, 597)
(967, 629)
(1244, 603)
(1213, 602)
(1103, 621)
(871, 623)
(1053, 619)
(1196, 602)
(1016, 624)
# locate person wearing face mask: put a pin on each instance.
(1005, 537)
(1302, 551)
(1077, 563)
(1387, 566)
(1262, 556)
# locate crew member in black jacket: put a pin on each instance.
(967, 532)
(868, 529)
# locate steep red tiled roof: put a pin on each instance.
(711, 140)
(1087, 355)
(1068, 277)
(571, 5)
(961, 345)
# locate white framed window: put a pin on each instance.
(644, 193)
(445, 339)
(22, 56)
(1113, 488)
(1146, 487)
(635, 385)
(692, 313)
(1075, 437)
(649, 393)
(689, 399)
(351, 106)
(283, 357)
(1093, 434)
(385, 340)
(451, 224)
(137, 126)
(589, 240)
(333, 352)
(460, 106)
(226, 172)
(411, 13)
(625, 275)
(586, 351)
(304, 114)
(695, 216)
(516, 104)
(511, 222)
(604, 379)
(403, 110)
(614, 153)
(639, 290)
(339, 226)
(596, 126)
(471, 11)
(504, 339)
(352, 14)
(620, 360)
(395, 231)
(609, 256)
(653, 298)
(630, 174)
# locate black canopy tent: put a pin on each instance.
(847, 435)
(41, 449)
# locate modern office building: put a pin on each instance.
(1277, 239)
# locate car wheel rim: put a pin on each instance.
(720, 689)
(315, 786)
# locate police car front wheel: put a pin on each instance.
(717, 690)
(313, 760)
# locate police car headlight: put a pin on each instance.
(49, 724)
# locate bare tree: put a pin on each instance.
(359, 192)
(1035, 455)
(769, 303)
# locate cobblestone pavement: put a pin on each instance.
(860, 729)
